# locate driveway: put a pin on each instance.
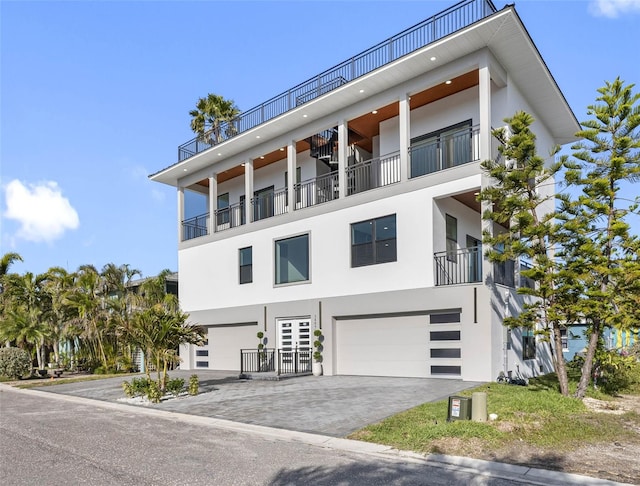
(328, 405)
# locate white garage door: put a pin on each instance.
(387, 346)
(225, 343)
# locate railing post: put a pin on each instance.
(241, 363)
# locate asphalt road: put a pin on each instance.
(46, 440)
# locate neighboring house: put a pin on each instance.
(348, 204)
(170, 283)
(574, 339)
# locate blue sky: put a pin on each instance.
(95, 97)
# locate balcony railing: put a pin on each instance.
(373, 173)
(458, 267)
(445, 151)
(504, 273)
(280, 361)
(317, 191)
(268, 204)
(195, 227)
(230, 217)
(420, 35)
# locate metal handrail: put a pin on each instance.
(448, 21)
(373, 173)
(317, 190)
(458, 267)
(445, 151)
(195, 227)
(269, 204)
(229, 217)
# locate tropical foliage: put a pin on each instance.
(96, 320)
(213, 119)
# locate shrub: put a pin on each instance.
(175, 386)
(154, 394)
(194, 385)
(140, 386)
(14, 363)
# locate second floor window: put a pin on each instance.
(292, 260)
(223, 209)
(373, 241)
(246, 265)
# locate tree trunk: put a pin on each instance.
(587, 367)
(559, 363)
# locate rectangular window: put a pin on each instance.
(452, 238)
(445, 370)
(202, 352)
(565, 340)
(292, 260)
(373, 241)
(263, 202)
(223, 209)
(202, 364)
(528, 344)
(246, 265)
(444, 318)
(445, 353)
(444, 335)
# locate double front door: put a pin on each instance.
(295, 343)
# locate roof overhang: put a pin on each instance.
(503, 33)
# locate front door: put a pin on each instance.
(295, 345)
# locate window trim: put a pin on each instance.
(240, 265)
(374, 240)
(289, 237)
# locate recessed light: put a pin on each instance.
(362, 91)
(433, 58)
(219, 154)
(281, 149)
(304, 116)
(374, 111)
(262, 156)
(448, 81)
(184, 170)
(257, 136)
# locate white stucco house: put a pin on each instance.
(348, 204)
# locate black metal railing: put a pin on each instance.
(316, 191)
(448, 21)
(268, 204)
(445, 151)
(458, 267)
(230, 217)
(373, 173)
(280, 361)
(195, 227)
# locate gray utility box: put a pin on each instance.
(459, 408)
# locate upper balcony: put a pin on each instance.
(447, 22)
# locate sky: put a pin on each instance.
(95, 96)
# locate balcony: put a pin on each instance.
(427, 32)
(230, 217)
(373, 173)
(317, 191)
(458, 267)
(444, 150)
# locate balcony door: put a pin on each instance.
(474, 247)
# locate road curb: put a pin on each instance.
(478, 466)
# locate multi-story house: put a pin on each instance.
(348, 204)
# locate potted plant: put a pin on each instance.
(316, 367)
(262, 353)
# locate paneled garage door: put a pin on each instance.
(225, 343)
(385, 346)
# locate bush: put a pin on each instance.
(14, 363)
(194, 385)
(154, 394)
(175, 386)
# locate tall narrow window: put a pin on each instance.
(528, 344)
(223, 209)
(373, 241)
(246, 265)
(452, 238)
(292, 260)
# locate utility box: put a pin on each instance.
(459, 408)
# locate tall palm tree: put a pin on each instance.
(58, 284)
(5, 262)
(209, 116)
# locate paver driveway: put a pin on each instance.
(328, 405)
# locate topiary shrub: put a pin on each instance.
(154, 394)
(14, 363)
(194, 385)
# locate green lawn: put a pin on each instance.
(71, 379)
(536, 415)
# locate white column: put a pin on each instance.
(405, 136)
(248, 190)
(484, 100)
(343, 154)
(180, 211)
(213, 202)
(291, 179)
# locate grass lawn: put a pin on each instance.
(32, 383)
(537, 416)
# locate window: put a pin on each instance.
(223, 209)
(565, 340)
(452, 238)
(373, 241)
(202, 364)
(528, 344)
(202, 352)
(263, 203)
(246, 265)
(292, 260)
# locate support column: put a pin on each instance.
(248, 190)
(405, 136)
(213, 202)
(291, 179)
(180, 212)
(484, 100)
(343, 154)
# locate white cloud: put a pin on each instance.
(613, 8)
(43, 212)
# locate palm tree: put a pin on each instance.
(58, 285)
(210, 113)
(5, 262)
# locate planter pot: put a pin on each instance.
(316, 368)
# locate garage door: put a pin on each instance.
(387, 346)
(225, 343)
